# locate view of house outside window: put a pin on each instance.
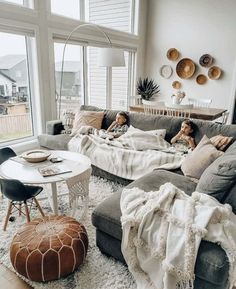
(26, 3)
(115, 14)
(72, 92)
(15, 103)
(96, 80)
(68, 8)
(120, 85)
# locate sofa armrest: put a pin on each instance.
(54, 127)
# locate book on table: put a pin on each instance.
(54, 170)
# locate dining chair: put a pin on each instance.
(178, 112)
(5, 154)
(154, 107)
(204, 102)
(223, 119)
(19, 194)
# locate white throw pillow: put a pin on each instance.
(200, 158)
(157, 132)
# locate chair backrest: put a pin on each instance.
(14, 190)
(154, 107)
(204, 102)
(5, 154)
(178, 112)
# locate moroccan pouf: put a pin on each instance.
(49, 248)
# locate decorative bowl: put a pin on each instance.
(35, 156)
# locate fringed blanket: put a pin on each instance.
(162, 232)
(130, 156)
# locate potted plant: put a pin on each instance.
(146, 88)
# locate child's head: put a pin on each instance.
(187, 127)
(122, 118)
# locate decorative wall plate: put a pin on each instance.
(185, 68)
(172, 54)
(201, 79)
(35, 156)
(166, 71)
(176, 84)
(214, 72)
(206, 60)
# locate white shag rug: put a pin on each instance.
(98, 271)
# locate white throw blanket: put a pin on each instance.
(162, 231)
(130, 156)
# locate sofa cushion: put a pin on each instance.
(219, 177)
(106, 216)
(54, 142)
(212, 264)
(200, 158)
(87, 118)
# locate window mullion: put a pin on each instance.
(85, 74)
(108, 88)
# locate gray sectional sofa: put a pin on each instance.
(218, 180)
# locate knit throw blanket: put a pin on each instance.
(130, 156)
(162, 231)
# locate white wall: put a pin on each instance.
(194, 27)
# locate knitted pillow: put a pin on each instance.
(88, 118)
(220, 141)
(200, 158)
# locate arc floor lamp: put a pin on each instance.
(107, 57)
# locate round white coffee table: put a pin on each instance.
(77, 180)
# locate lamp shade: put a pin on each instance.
(110, 57)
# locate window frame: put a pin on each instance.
(31, 79)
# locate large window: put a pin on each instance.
(15, 98)
(68, 8)
(71, 95)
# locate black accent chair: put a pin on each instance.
(19, 194)
(5, 154)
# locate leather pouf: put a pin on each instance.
(49, 248)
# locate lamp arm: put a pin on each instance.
(63, 54)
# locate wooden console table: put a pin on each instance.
(195, 112)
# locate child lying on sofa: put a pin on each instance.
(183, 140)
(119, 126)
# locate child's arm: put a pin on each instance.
(111, 126)
(175, 138)
(191, 143)
(190, 140)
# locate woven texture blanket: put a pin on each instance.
(162, 231)
(130, 156)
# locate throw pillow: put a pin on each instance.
(88, 118)
(220, 141)
(200, 158)
(157, 132)
(219, 177)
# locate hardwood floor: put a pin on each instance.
(9, 280)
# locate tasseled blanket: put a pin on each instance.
(162, 232)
